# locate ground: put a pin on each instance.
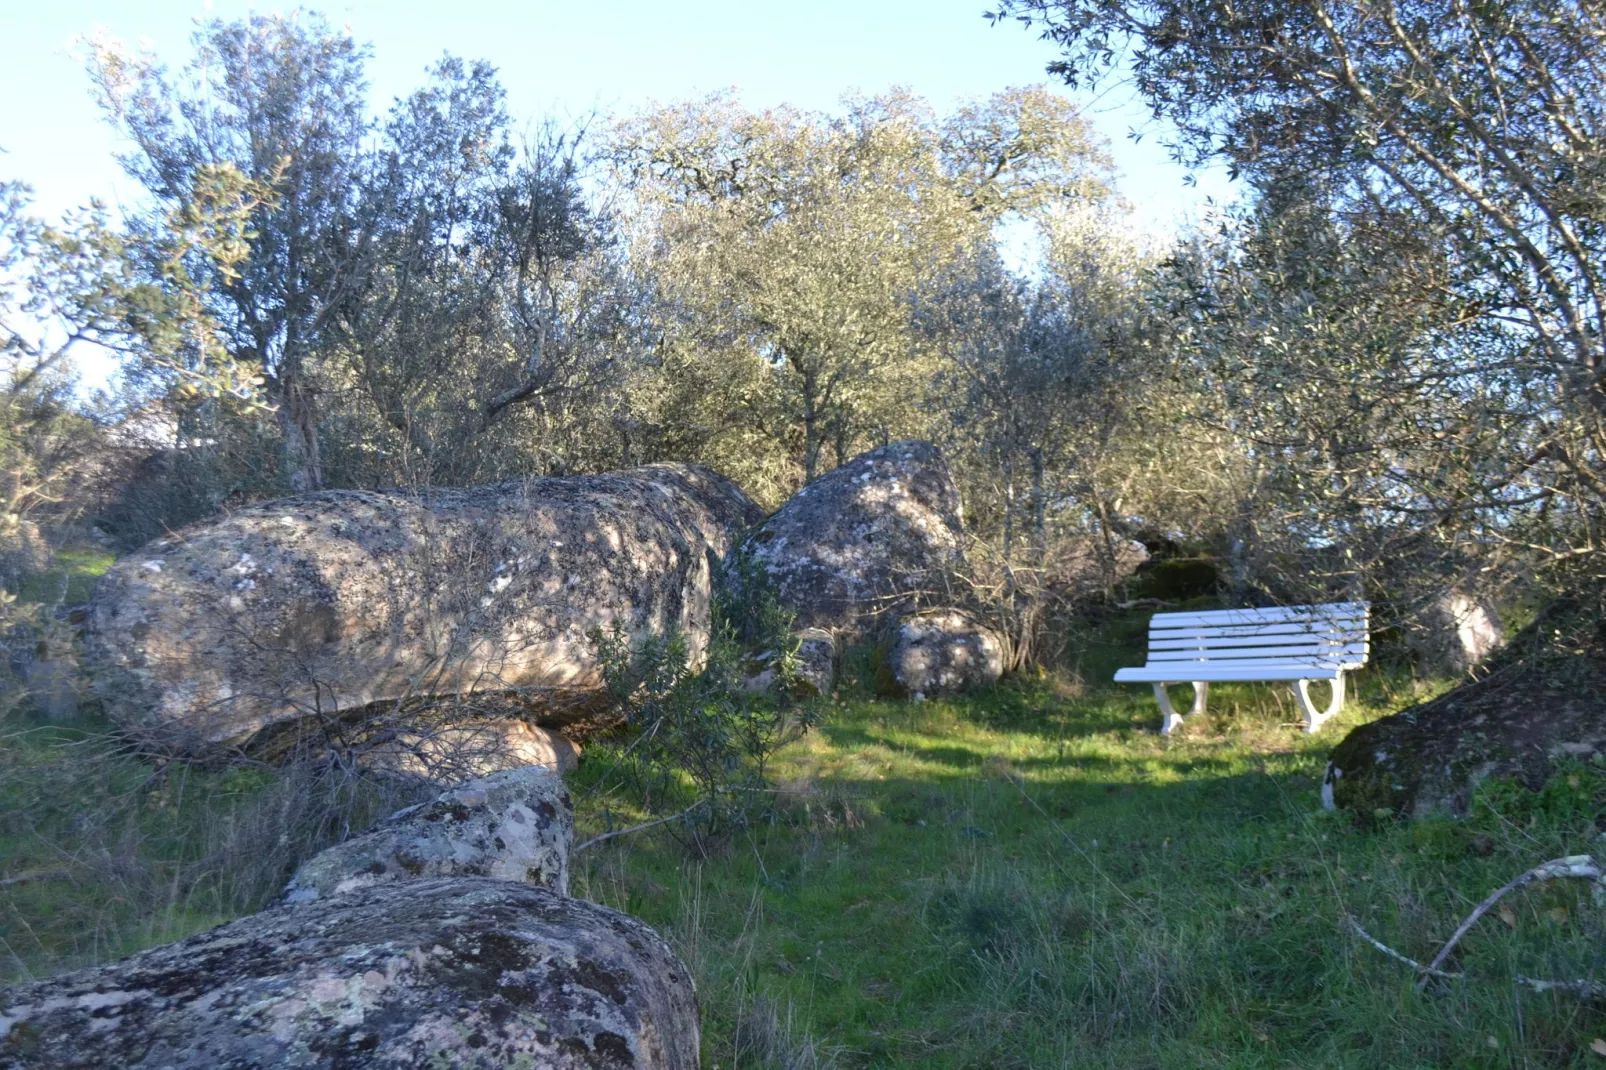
(1029, 877)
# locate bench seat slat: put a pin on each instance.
(1276, 615)
(1227, 674)
(1250, 663)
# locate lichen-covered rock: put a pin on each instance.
(1079, 566)
(1457, 631)
(334, 601)
(448, 972)
(515, 826)
(1542, 700)
(945, 651)
(864, 541)
(816, 660)
(456, 751)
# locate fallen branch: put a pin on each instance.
(1579, 866)
(1393, 954)
(1582, 867)
(634, 828)
(1581, 989)
(36, 877)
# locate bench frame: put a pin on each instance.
(1296, 644)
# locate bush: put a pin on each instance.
(701, 737)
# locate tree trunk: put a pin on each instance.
(1239, 554)
(298, 425)
(1039, 511)
(1009, 527)
(811, 431)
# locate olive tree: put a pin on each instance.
(798, 246)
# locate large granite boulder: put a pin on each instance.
(1538, 703)
(516, 825)
(945, 651)
(450, 971)
(330, 602)
(864, 542)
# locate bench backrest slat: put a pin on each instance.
(1333, 611)
(1330, 635)
(1330, 651)
(1166, 641)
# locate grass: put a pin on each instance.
(1029, 877)
(1035, 878)
(71, 577)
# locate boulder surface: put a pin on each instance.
(1539, 702)
(451, 971)
(459, 750)
(330, 602)
(863, 543)
(945, 651)
(516, 825)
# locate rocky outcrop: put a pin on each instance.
(450, 971)
(330, 602)
(816, 661)
(860, 544)
(945, 651)
(1541, 701)
(516, 825)
(1080, 566)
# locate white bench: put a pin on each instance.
(1295, 643)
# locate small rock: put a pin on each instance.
(1457, 632)
(452, 753)
(945, 651)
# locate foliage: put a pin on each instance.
(419, 275)
(696, 727)
(793, 251)
(1471, 130)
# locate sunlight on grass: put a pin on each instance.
(1025, 880)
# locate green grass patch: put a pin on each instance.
(70, 579)
(1032, 878)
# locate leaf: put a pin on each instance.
(1558, 915)
(1508, 916)
(1598, 1046)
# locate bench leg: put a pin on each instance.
(1313, 716)
(1201, 692)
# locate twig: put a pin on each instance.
(635, 828)
(35, 877)
(1393, 954)
(1581, 989)
(1581, 866)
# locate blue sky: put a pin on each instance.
(570, 58)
